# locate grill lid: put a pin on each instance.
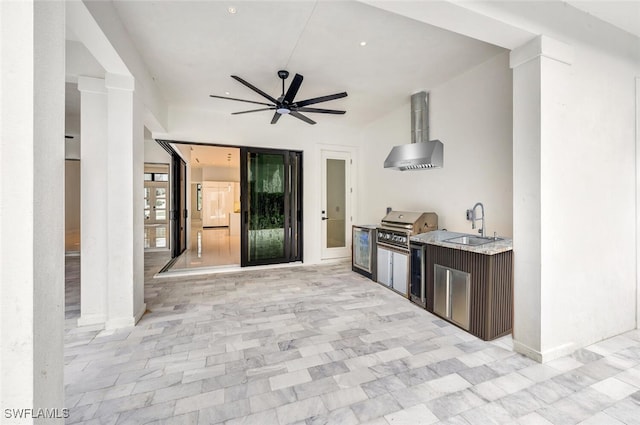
(402, 217)
(415, 222)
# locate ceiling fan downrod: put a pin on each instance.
(282, 109)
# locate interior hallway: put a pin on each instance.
(323, 345)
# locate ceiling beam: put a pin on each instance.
(461, 18)
(98, 27)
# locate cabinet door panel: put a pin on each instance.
(400, 272)
(440, 292)
(459, 287)
(384, 266)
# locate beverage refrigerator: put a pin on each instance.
(363, 250)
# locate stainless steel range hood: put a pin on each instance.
(421, 153)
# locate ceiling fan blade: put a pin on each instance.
(321, 99)
(239, 100)
(275, 118)
(254, 88)
(321, 111)
(302, 117)
(254, 110)
(293, 89)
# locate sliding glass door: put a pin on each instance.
(179, 205)
(271, 206)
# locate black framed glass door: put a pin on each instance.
(271, 225)
(179, 205)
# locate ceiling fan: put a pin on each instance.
(286, 104)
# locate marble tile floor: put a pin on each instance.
(323, 345)
(210, 247)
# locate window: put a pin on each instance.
(156, 177)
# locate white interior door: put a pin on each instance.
(217, 203)
(336, 204)
(209, 205)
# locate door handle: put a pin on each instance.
(325, 218)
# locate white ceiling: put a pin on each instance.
(214, 156)
(192, 48)
(623, 14)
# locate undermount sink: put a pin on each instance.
(471, 240)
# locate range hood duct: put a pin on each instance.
(421, 153)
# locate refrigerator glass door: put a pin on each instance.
(416, 283)
(362, 251)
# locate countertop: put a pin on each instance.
(437, 237)
(367, 226)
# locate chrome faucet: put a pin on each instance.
(474, 218)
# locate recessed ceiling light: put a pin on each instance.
(232, 10)
(363, 43)
(227, 93)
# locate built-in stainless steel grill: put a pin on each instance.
(397, 226)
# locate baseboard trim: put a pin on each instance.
(120, 322)
(525, 350)
(140, 313)
(544, 356)
(91, 319)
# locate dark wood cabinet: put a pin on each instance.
(490, 292)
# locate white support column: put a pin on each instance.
(124, 194)
(540, 76)
(93, 201)
(32, 66)
(638, 202)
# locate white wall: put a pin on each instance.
(196, 175)
(31, 207)
(154, 153)
(221, 174)
(589, 185)
(638, 199)
(471, 115)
